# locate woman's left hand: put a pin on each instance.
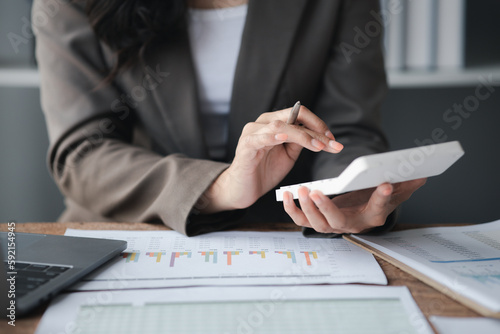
(354, 212)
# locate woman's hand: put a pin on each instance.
(266, 152)
(354, 212)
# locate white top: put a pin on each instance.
(215, 37)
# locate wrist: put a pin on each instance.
(215, 198)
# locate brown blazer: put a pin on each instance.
(134, 150)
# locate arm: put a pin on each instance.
(92, 156)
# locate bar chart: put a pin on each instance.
(261, 253)
(131, 257)
(231, 258)
(157, 255)
(308, 256)
(176, 255)
(289, 254)
(208, 254)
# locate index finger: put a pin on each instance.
(306, 117)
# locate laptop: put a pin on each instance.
(45, 265)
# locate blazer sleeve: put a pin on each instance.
(353, 89)
(92, 157)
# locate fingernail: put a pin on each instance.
(303, 195)
(287, 198)
(386, 191)
(316, 198)
(329, 134)
(281, 136)
(316, 143)
(336, 145)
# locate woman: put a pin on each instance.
(160, 111)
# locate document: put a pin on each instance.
(453, 325)
(463, 261)
(220, 310)
(168, 259)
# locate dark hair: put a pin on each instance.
(129, 27)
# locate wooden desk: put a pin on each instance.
(430, 301)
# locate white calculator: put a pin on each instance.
(392, 167)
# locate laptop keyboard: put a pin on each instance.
(33, 275)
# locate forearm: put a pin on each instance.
(123, 182)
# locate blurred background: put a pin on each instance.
(439, 54)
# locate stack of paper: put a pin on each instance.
(463, 262)
(282, 264)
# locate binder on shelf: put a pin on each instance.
(451, 34)
(386, 20)
(421, 37)
(395, 33)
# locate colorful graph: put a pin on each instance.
(131, 257)
(261, 253)
(229, 256)
(176, 255)
(207, 255)
(308, 256)
(156, 254)
(290, 255)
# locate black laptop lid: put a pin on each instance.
(79, 256)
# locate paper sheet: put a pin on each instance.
(464, 259)
(221, 310)
(167, 259)
(450, 325)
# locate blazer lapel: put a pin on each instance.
(266, 43)
(177, 97)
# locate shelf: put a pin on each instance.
(19, 77)
(443, 78)
(29, 77)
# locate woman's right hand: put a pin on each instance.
(266, 152)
